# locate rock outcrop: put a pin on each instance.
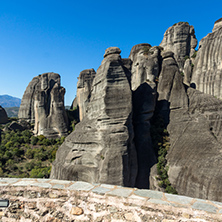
(195, 156)
(101, 149)
(112, 143)
(145, 70)
(180, 39)
(43, 105)
(3, 116)
(146, 65)
(207, 71)
(84, 90)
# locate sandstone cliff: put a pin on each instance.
(208, 64)
(101, 149)
(43, 105)
(112, 144)
(180, 39)
(84, 90)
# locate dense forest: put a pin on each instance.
(24, 155)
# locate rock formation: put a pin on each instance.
(195, 156)
(112, 143)
(208, 64)
(146, 65)
(43, 105)
(3, 116)
(101, 149)
(84, 90)
(180, 39)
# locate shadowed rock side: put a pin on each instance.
(43, 104)
(84, 89)
(195, 157)
(145, 69)
(101, 149)
(3, 116)
(180, 39)
(207, 71)
(194, 124)
(144, 101)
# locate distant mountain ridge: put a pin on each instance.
(9, 101)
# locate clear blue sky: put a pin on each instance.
(68, 36)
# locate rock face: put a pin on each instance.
(208, 64)
(43, 104)
(195, 155)
(3, 116)
(180, 39)
(146, 65)
(84, 90)
(145, 69)
(112, 143)
(101, 149)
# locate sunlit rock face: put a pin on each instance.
(207, 71)
(181, 40)
(84, 86)
(146, 65)
(43, 105)
(101, 148)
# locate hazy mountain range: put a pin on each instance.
(9, 101)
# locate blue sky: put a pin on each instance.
(66, 37)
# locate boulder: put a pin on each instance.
(101, 149)
(15, 126)
(207, 71)
(180, 39)
(3, 116)
(43, 105)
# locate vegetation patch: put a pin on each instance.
(194, 55)
(161, 144)
(146, 50)
(24, 155)
(186, 57)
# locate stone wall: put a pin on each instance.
(60, 200)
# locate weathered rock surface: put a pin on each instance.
(3, 116)
(145, 69)
(146, 65)
(84, 90)
(208, 64)
(144, 101)
(101, 149)
(43, 104)
(170, 88)
(14, 126)
(195, 156)
(112, 143)
(180, 39)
